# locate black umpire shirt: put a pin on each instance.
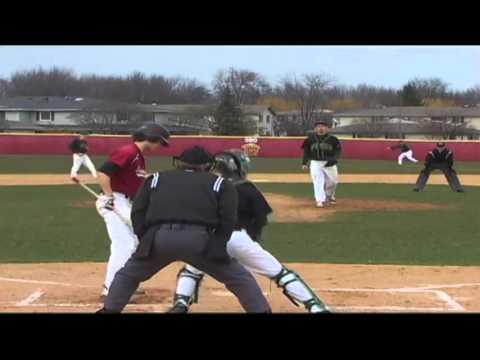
(438, 157)
(185, 197)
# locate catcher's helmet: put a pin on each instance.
(233, 164)
(152, 132)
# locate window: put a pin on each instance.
(45, 115)
(2, 115)
(122, 116)
(268, 119)
(260, 118)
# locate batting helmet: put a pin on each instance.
(152, 132)
(233, 164)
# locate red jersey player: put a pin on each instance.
(120, 177)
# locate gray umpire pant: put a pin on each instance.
(185, 245)
(450, 175)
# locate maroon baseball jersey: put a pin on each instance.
(131, 175)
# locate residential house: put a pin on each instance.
(201, 116)
(50, 113)
(264, 117)
(291, 121)
(414, 122)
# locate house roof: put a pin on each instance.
(187, 108)
(297, 112)
(31, 103)
(412, 111)
(387, 127)
(255, 109)
(72, 103)
(175, 108)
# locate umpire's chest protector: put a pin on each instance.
(184, 196)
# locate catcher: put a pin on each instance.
(244, 243)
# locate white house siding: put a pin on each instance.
(28, 117)
(64, 118)
(12, 116)
(473, 122)
(263, 128)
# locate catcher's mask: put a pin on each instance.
(195, 158)
(232, 164)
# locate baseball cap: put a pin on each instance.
(321, 122)
(440, 144)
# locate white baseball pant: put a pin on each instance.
(408, 155)
(123, 241)
(79, 160)
(255, 259)
(325, 180)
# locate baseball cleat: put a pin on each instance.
(320, 204)
(75, 180)
(178, 308)
(331, 202)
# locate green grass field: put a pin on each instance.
(15, 164)
(39, 224)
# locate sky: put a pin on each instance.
(389, 66)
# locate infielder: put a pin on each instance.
(79, 148)
(440, 158)
(186, 214)
(120, 177)
(323, 151)
(244, 246)
(405, 152)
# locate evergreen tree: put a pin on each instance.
(229, 118)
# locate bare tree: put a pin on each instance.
(3, 88)
(112, 116)
(40, 82)
(197, 118)
(309, 94)
(448, 129)
(245, 86)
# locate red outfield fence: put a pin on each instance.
(366, 149)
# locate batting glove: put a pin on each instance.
(106, 201)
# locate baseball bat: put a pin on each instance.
(126, 221)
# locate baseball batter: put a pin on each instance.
(79, 148)
(120, 177)
(322, 150)
(244, 246)
(405, 152)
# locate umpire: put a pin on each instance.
(440, 158)
(187, 214)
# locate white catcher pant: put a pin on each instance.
(123, 241)
(79, 160)
(254, 258)
(325, 180)
(408, 155)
